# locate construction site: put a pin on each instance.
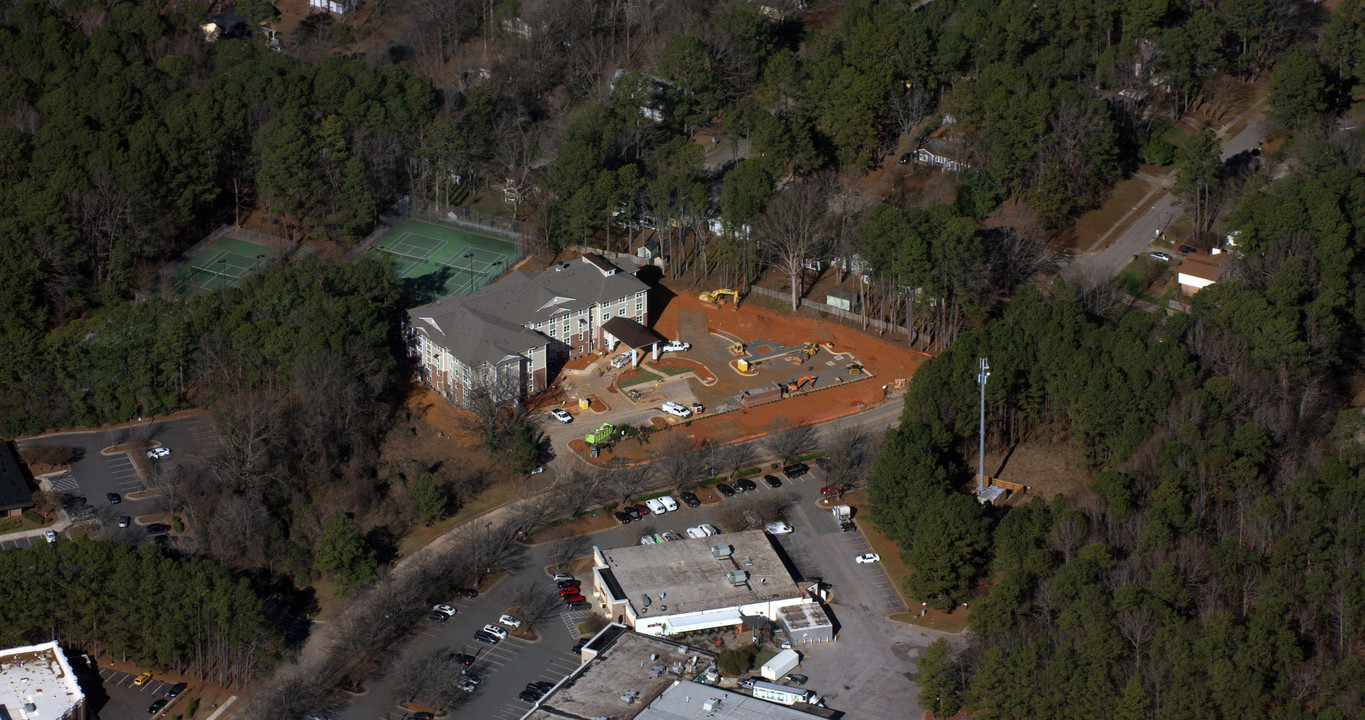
(747, 368)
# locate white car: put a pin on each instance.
(867, 558)
(158, 453)
(510, 621)
(673, 408)
(562, 577)
(655, 506)
(708, 529)
(675, 346)
(696, 532)
(495, 631)
(1159, 256)
(778, 528)
(561, 415)
(669, 503)
(621, 360)
(50, 535)
(447, 610)
(670, 536)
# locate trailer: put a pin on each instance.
(780, 664)
(843, 515)
(781, 694)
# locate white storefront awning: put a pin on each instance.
(704, 621)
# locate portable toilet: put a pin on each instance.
(742, 364)
(583, 403)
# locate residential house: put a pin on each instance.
(942, 153)
(519, 331)
(1198, 271)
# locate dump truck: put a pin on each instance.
(843, 515)
(780, 664)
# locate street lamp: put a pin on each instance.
(983, 372)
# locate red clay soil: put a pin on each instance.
(676, 363)
(596, 405)
(887, 359)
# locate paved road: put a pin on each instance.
(94, 473)
(864, 672)
(1136, 239)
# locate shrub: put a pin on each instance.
(736, 661)
(192, 707)
(34, 517)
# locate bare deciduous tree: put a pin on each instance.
(786, 441)
(789, 231)
(565, 551)
(909, 109)
(493, 407)
(681, 461)
(849, 451)
(533, 604)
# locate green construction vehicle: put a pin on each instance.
(601, 434)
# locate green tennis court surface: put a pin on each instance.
(225, 262)
(435, 261)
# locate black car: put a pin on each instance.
(690, 500)
(124, 521)
(772, 481)
(467, 593)
(745, 485)
(156, 706)
(541, 686)
(437, 616)
(569, 584)
(578, 605)
(175, 690)
(579, 645)
(725, 490)
(421, 716)
(155, 528)
(1185, 250)
(486, 638)
(529, 696)
(113, 498)
(796, 471)
(464, 659)
(623, 517)
(633, 512)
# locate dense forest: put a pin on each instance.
(186, 614)
(1213, 568)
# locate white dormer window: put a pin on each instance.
(432, 323)
(556, 300)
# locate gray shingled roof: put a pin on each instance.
(14, 491)
(487, 324)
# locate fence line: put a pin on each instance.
(513, 231)
(828, 309)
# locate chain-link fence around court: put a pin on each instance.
(513, 231)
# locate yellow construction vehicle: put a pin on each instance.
(808, 350)
(855, 369)
(737, 348)
(715, 296)
(828, 346)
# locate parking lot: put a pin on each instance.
(92, 473)
(126, 701)
(864, 672)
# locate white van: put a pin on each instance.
(673, 408)
(669, 503)
(655, 506)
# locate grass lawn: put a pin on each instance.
(11, 524)
(670, 371)
(483, 502)
(645, 375)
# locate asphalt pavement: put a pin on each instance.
(864, 672)
(93, 472)
(1138, 237)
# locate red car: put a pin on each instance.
(564, 592)
(643, 510)
(576, 597)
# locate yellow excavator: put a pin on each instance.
(715, 296)
(808, 350)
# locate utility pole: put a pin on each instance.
(983, 372)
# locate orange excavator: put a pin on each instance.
(797, 385)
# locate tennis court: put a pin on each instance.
(436, 261)
(225, 262)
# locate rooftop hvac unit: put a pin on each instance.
(722, 551)
(711, 704)
(737, 577)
